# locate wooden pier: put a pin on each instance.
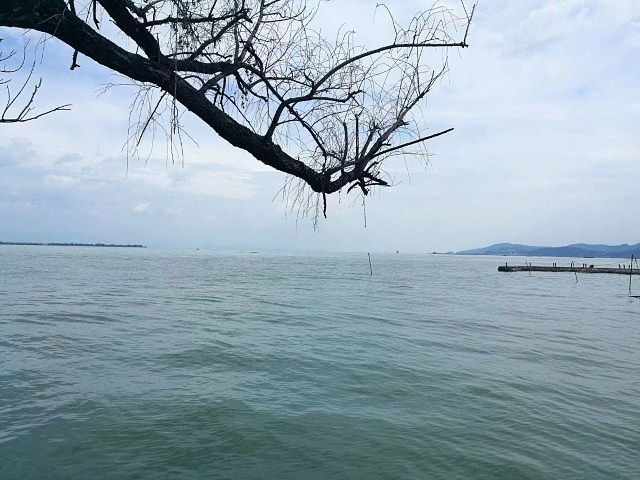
(581, 269)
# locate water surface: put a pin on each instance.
(122, 363)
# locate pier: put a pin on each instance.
(576, 269)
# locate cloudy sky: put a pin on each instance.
(546, 150)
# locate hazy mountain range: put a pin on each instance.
(575, 250)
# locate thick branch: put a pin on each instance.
(257, 74)
(52, 17)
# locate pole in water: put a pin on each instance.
(630, 272)
(370, 268)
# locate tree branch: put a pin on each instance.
(260, 75)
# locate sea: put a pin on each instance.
(121, 363)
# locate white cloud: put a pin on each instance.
(60, 181)
(231, 185)
(142, 207)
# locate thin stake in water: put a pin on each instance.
(370, 268)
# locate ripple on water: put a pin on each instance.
(183, 365)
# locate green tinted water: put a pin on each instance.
(141, 364)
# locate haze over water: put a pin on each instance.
(119, 363)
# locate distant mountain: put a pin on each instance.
(575, 250)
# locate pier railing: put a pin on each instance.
(570, 269)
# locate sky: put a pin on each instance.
(546, 150)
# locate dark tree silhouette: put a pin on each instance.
(328, 112)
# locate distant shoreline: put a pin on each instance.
(576, 250)
(57, 244)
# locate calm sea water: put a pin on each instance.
(118, 363)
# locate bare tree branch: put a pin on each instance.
(14, 110)
(326, 111)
